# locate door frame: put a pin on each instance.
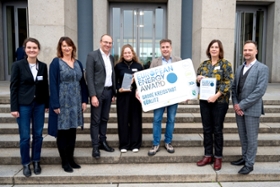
(249, 9)
(143, 7)
(16, 5)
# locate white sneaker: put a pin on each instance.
(123, 150)
(135, 150)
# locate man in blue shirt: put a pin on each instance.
(166, 58)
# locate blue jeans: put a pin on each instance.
(36, 113)
(158, 113)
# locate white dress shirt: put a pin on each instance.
(108, 69)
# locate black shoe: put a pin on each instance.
(239, 162)
(74, 165)
(37, 168)
(96, 153)
(245, 170)
(104, 146)
(67, 168)
(26, 170)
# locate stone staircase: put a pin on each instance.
(138, 169)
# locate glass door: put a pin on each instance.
(140, 26)
(15, 31)
(250, 25)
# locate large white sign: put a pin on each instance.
(166, 85)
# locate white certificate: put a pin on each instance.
(166, 85)
(207, 88)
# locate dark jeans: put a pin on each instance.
(213, 115)
(36, 114)
(100, 117)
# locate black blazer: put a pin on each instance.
(24, 89)
(96, 73)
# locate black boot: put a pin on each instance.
(64, 161)
(70, 154)
(37, 168)
(26, 170)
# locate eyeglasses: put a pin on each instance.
(108, 43)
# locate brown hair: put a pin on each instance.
(134, 58)
(252, 42)
(105, 35)
(221, 54)
(69, 42)
(31, 40)
(165, 40)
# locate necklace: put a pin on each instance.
(128, 64)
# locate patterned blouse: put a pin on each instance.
(222, 71)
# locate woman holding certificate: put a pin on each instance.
(214, 75)
(129, 109)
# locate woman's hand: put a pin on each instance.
(57, 111)
(124, 90)
(137, 95)
(84, 107)
(199, 77)
(15, 114)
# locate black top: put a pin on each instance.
(126, 67)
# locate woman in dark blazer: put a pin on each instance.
(68, 100)
(29, 100)
(129, 108)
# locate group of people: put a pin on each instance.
(65, 97)
(247, 87)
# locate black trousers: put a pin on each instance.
(129, 112)
(213, 115)
(100, 117)
(66, 140)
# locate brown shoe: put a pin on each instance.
(204, 161)
(217, 164)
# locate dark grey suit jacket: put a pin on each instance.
(96, 73)
(253, 90)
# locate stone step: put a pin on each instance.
(179, 140)
(10, 156)
(139, 173)
(189, 184)
(147, 128)
(5, 108)
(148, 118)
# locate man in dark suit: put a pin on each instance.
(249, 86)
(100, 77)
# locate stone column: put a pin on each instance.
(101, 21)
(273, 40)
(213, 20)
(48, 21)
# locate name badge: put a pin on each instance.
(39, 78)
(134, 69)
(218, 67)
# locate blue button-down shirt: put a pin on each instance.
(164, 61)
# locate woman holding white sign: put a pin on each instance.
(213, 107)
(129, 110)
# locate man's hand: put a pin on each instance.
(94, 101)
(113, 99)
(238, 110)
